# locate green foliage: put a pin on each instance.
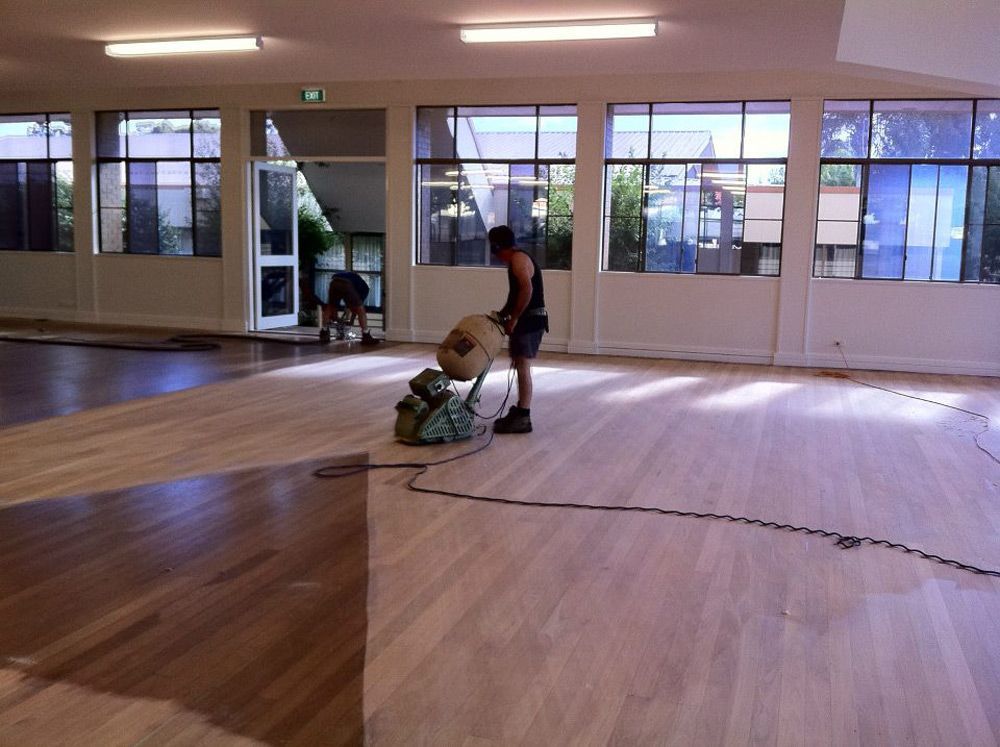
(626, 217)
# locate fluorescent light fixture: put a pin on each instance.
(624, 28)
(184, 46)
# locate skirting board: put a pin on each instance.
(124, 320)
(885, 363)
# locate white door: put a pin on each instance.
(275, 246)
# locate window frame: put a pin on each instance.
(52, 163)
(460, 163)
(125, 159)
(864, 163)
(646, 163)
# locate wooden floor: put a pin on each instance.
(485, 624)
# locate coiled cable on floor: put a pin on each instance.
(844, 541)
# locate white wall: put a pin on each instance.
(788, 320)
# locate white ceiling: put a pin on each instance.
(59, 43)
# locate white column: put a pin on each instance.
(236, 290)
(85, 218)
(588, 212)
(801, 185)
(399, 222)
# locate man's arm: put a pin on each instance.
(521, 267)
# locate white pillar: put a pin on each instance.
(399, 254)
(236, 291)
(588, 212)
(801, 185)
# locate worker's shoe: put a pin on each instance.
(517, 420)
(324, 334)
(367, 339)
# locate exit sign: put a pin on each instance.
(313, 95)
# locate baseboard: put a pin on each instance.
(692, 353)
(909, 365)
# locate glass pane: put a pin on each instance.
(111, 189)
(766, 129)
(207, 134)
(143, 223)
(760, 258)
(622, 236)
(838, 216)
(884, 225)
(696, 130)
(23, 136)
(64, 206)
(559, 218)
(557, 132)
(60, 136)
(920, 222)
(987, 130)
(276, 190)
(528, 186)
(11, 199)
(665, 217)
(949, 228)
(839, 192)
(692, 209)
(989, 271)
(159, 134)
(438, 198)
(496, 132)
(435, 136)
(207, 177)
(367, 252)
(276, 292)
(921, 129)
(110, 134)
(41, 204)
(845, 129)
(482, 203)
(835, 260)
(765, 191)
(720, 229)
(628, 135)
(625, 189)
(173, 200)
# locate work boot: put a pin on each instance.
(517, 420)
(324, 334)
(367, 339)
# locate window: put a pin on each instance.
(158, 176)
(910, 190)
(36, 182)
(695, 187)
(478, 167)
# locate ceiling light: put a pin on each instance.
(184, 46)
(629, 28)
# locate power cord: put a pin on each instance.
(985, 418)
(843, 541)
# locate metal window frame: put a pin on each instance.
(127, 159)
(536, 162)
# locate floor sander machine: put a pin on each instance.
(433, 412)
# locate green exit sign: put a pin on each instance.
(313, 95)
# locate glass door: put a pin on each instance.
(275, 246)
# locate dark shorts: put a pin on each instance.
(341, 289)
(525, 344)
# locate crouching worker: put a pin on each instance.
(525, 320)
(350, 288)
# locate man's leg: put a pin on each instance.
(523, 368)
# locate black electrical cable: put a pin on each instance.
(985, 418)
(168, 346)
(844, 541)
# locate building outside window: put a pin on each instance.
(481, 166)
(910, 190)
(695, 188)
(158, 176)
(36, 182)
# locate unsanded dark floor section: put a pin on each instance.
(39, 381)
(230, 604)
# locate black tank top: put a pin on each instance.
(528, 322)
